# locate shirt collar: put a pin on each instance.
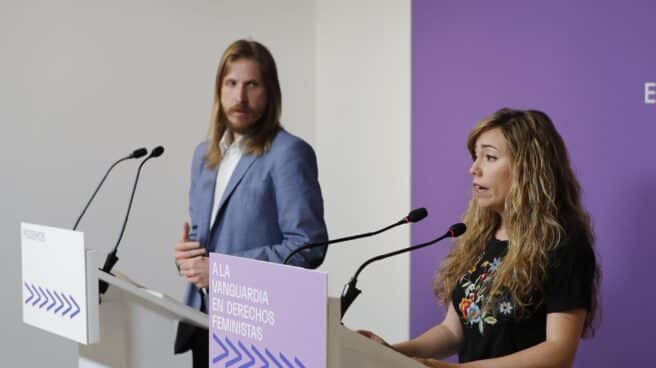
(228, 139)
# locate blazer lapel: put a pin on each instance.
(244, 164)
(207, 184)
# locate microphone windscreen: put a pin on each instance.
(417, 214)
(157, 151)
(141, 152)
(457, 229)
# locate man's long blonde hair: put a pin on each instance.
(261, 137)
(542, 208)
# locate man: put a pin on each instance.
(254, 191)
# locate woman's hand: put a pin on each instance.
(372, 336)
(436, 363)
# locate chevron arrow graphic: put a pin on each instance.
(259, 355)
(235, 359)
(273, 359)
(221, 356)
(31, 293)
(77, 307)
(253, 354)
(38, 296)
(44, 297)
(298, 363)
(284, 359)
(53, 300)
(67, 303)
(61, 303)
(250, 356)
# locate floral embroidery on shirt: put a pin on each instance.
(505, 308)
(475, 292)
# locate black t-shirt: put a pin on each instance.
(502, 331)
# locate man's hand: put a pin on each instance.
(191, 260)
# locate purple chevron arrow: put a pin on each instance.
(53, 300)
(76, 306)
(268, 353)
(31, 293)
(61, 303)
(44, 297)
(259, 355)
(67, 303)
(235, 359)
(298, 363)
(248, 353)
(284, 359)
(38, 296)
(221, 356)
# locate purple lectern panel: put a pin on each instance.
(266, 314)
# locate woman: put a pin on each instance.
(521, 284)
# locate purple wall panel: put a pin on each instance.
(583, 63)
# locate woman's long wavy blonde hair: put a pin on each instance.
(542, 207)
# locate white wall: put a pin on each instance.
(84, 82)
(363, 141)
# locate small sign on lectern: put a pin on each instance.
(57, 283)
(266, 314)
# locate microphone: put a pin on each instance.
(111, 259)
(351, 291)
(140, 152)
(415, 215)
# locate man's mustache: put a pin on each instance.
(239, 108)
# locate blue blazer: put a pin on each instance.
(271, 206)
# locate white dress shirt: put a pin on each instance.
(231, 153)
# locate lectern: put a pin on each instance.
(261, 314)
(60, 295)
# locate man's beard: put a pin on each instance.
(245, 131)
